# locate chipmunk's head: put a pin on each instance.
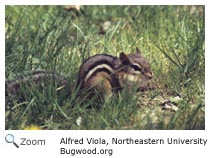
(136, 69)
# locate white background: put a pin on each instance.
(52, 147)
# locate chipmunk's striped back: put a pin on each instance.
(99, 68)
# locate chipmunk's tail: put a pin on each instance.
(35, 78)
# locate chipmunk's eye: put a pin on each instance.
(136, 67)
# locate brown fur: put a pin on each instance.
(105, 74)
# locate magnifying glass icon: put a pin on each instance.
(9, 138)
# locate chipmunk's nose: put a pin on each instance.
(149, 75)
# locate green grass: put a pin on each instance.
(50, 38)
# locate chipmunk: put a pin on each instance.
(106, 74)
(102, 74)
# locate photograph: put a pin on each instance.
(104, 67)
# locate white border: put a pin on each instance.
(51, 150)
(107, 2)
(2, 66)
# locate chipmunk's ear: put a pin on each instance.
(138, 51)
(124, 58)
